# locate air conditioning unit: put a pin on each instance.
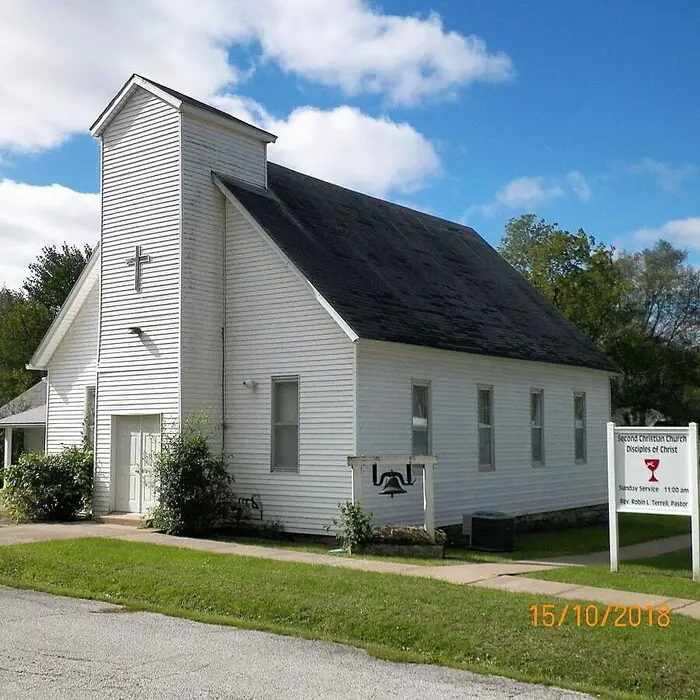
(492, 532)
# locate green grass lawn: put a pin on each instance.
(634, 529)
(667, 575)
(395, 617)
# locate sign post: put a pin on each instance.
(653, 470)
(694, 500)
(612, 501)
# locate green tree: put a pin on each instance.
(8, 298)
(665, 292)
(54, 273)
(21, 331)
(26, 315)
(658, 381)
(661, 363)
(578, 275)
(641, 309)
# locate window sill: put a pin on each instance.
(487, 467)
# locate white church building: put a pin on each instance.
(312, 323)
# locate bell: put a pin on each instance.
(392, 486)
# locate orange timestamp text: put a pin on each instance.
(550, 615)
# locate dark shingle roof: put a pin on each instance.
(402, 276)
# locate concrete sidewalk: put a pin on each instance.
(499, 576)
(643, 550)
(458, 573)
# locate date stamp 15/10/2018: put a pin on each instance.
(550, 615)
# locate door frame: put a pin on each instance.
(113, 448)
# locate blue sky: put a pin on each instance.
(585, 113)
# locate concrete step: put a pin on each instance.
(129, 519)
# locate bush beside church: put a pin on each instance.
(56, 487)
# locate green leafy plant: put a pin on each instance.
(50, 487)
(192, 487)
(407, 534)
(353, 526)
(80, 461)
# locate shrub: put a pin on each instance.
(50, 487)
(192, 486)
(354, 526)
(407, 534)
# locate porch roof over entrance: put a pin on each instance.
(26, 419)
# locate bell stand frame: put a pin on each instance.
(426, 462)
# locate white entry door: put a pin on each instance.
(137, 439)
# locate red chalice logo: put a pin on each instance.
(652, 466)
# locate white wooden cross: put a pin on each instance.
(137, 260)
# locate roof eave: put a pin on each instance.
(113, 108)
(345, 327)
(221, 120)
(137, 81)
(57, 329)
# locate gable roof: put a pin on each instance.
(178, 101)
(71, 306)
(398, 275)
(186, 99)
(34, 397)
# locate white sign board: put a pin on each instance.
(653, 470)
(652, 473)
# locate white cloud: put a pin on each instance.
(579, 185)
(68, 58)
(530, 192)
(682, 232)
(527, 192)
(349, 44)
(344, 146)
(347, 147)
(668, 177)
(33, 216)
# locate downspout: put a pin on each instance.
(223, 335)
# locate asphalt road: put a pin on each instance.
(54, 648)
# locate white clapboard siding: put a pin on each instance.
(141, 169)
(141, 206)
(275, 327)
(71, 369)
(385, 374)
(205, 148)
